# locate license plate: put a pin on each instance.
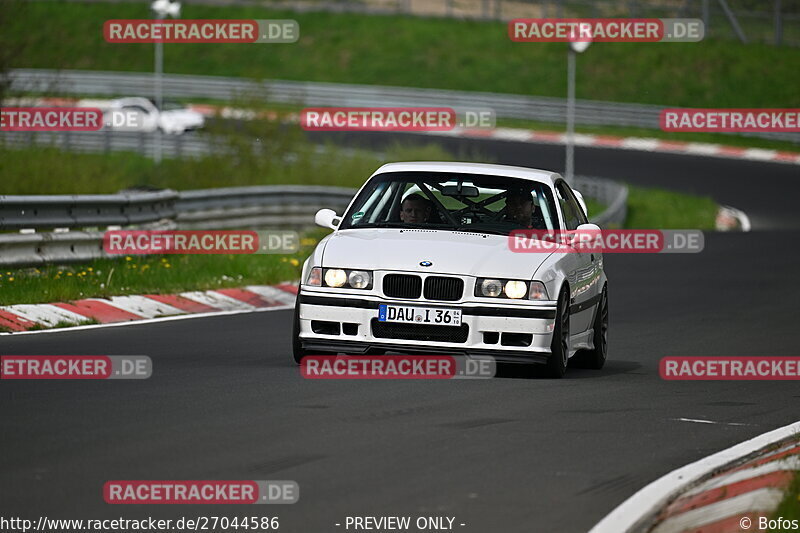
(419, 315)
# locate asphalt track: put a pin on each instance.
(506, 455)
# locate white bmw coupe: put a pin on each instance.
(421, 262)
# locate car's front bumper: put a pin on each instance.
(520, 332)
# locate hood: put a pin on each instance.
(451, 252)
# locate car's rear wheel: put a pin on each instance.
(559, 347)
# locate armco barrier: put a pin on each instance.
(538, 108)
(82, 211)
(269, 206)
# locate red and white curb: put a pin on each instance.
(117, 309)
(722, 493)
(644, 144)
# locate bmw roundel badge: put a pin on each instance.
(425, 263)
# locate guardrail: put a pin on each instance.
(538, 108)
(237, 207)
(77, 211)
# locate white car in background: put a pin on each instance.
(451, 284)
(140, 114)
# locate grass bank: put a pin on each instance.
(417, 52)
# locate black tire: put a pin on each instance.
(297, 347)
(559, 347)
(597, 358)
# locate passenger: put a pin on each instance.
(521, 210)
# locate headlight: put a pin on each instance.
(358, 279)
(335, 277)
(516, 289)
(339, 277)
(490, 287)
(315, 277)
(510, 288)
(538, 292)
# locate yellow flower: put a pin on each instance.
(167, 265)
(90, 269)
(294, 261)
(127, 258)
(11, 279)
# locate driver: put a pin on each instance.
(415, 209)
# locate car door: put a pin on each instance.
(582, 266)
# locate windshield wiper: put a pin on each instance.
(403, 225)
(471, 228)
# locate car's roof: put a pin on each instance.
(544, 176)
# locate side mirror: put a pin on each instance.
(584, 232)
(327, 218)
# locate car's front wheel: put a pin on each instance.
(297, 347)
(597, 358)
(559, 347)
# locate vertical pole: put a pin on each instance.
(157, 150)
(570, 140)
(732, 19)
(778, 24)
(706, 16)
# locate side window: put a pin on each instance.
(573, 214)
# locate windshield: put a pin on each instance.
(450, 201)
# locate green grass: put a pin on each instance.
(148, 274)
(423, 52)
(31, 170)
(662, 209)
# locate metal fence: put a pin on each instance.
(537, 108)
(78, 219)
